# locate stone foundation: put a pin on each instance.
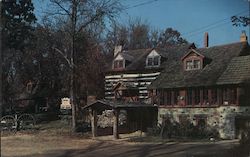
(221, 118)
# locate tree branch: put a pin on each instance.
(65, 57)
(58, 4)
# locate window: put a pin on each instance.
(189, 65)
(189, 97)
(153, 61)
(214, 96)
(168, 96)
(193, 64)
(156, 60)
(205, 96)
(118, 64)
(150, 61)
(197, 96)
(197, 64)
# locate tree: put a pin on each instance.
(77, 16)
(17, 20)
(139, 34)
(170, 37)
(240, 21)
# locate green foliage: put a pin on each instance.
(18, 20)
(186, 129)
(240, 21)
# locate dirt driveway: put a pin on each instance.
(47, 145)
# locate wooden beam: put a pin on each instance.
(115, 125)
(94, 122)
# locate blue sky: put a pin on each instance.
(190, 17)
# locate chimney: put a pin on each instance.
(117, 50)
(206, 40)
(243, 37)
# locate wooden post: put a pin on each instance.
(115, 125)
(94, 122)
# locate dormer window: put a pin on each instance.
(193, 60)
(193, 64)
(118, 64)
(153, 59)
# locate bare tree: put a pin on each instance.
(76, 16)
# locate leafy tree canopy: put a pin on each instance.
(18, 23)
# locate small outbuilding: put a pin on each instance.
(141, 114)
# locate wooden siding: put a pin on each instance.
(140, 80)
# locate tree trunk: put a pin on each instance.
(1, 53)
(72, 51)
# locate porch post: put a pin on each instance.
(94, 123)
(116, 122)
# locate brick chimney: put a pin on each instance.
(206, 40)
(243, 37)
(117, 49)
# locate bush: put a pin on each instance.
(186, 130)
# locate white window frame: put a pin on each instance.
(192, 66)
(153, 59)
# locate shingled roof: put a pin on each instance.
(174, 76)
(238, 71)
(138, 57)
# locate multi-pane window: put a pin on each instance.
(150, 61)
(197, 96)
(214, 96)
(189, 65)
(168, 96)
(118, 64)
(153, 61)
(193, 64)
(189, 97)
(197, 64)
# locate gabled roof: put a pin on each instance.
(174, 75)
(138, 63)
(192, 51)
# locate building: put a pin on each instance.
(132, 71)
(209, 86)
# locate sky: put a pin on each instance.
(192, 18)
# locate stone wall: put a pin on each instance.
(221, 118)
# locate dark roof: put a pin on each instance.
(138, 57)
(219, 57)
(105, 104)
(238, 71)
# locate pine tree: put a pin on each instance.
(18, 22)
